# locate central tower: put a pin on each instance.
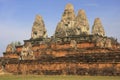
(71, 24)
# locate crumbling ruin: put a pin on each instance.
(71, 50)
(97, 28)
(38, 29)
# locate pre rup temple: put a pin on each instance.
(72, 50)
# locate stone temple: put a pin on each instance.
(72, 50)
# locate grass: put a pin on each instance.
(43, 77)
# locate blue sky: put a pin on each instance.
(17, 16)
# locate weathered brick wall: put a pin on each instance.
(64, 59)
(65, 68)
(58, 50)
(11, 55)
(19, 48)
(80, 64)
(86, 45)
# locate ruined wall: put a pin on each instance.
(19, 48)
(86, 45)
(63, 68)
(61, 49)
(77, 64)
(11, 55)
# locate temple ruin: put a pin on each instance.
(72, 50)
